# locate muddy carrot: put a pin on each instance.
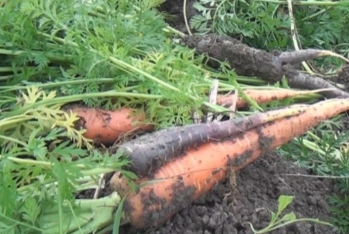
(184, 179)
(298, 56)
(300, 80)
(150, 151)
(106, 127)
(262, 96)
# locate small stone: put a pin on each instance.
(205, 219)
(201, 210)
(193, 227)
(212, 223)
(229, 229)
(224, 217)
(312, 200)
(323, 204)
(254, 218)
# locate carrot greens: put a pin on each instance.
(103, 54)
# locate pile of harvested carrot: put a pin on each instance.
(175, 166)
(107, 127)
(188, 176)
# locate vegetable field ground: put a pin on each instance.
(174, 117)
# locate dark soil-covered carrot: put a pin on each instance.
(298, 56)
(106, 127)
(300, 80)
(150, 151)
(252, 62)
(262, 96)
(186, 178)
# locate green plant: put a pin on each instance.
(340, 208)
(260, 25)
(266, 24)
(277, 222)
(41, 169)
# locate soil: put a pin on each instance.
(254, 193)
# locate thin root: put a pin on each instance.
(213, 98)
(100, 185)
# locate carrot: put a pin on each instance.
(300, 80)
(186, 178)
(252, 62)
(263, 96)
(150, 151)
(298, 56)
(106, 127)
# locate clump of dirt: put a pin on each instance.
(174, 11)
(227, 209)
(343, 77)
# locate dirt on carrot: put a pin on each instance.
(184, 179)
(150, 151)
(251, 62)
(262, 96)
(106, 127)
(298, 56)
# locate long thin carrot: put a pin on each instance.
(184, 179)
(106, 127)
(263, 96)
(150, 151)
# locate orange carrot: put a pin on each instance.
(186, 178)
(150, 151)
(106, 127)
(263, 96)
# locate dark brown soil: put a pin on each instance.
(343, 77)
(254, 195)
